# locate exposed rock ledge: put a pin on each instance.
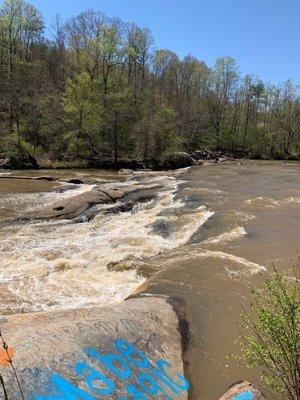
(84, 207)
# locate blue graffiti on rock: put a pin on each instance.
(151, 379)
(244, 396)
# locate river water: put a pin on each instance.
(211, 234)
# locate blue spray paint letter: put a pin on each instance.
(66, 391)
(149, 385)
(94, 375)
(114, 362)
(244, 396)
(134, 356)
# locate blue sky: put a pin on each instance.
(263, 35)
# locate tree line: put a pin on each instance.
(99, 86)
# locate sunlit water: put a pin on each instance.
(210, 234)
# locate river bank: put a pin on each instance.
(172, 161)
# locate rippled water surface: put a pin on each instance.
(211, 233)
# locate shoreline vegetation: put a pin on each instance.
(97, 90)
(172, 161)
(176, 160)
(270, 333)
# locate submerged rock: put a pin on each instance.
(130, 350)
(75, 181)
(45, 178)
(162, 227)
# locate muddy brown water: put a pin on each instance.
(211, 234)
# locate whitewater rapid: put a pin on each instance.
(53, 265)
(49, 265)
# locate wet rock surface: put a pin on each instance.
(72, 207)
(100, 198)
(219, 156)
(75, 181)
(131, 350)
(85, 206)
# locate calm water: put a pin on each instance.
(211, 234)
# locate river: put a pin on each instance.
(210, 234)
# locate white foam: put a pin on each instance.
(251, 266)
(225, 237)
(33, 201)
(263, 202)
(208, 190)
(272, 203)
(291, 200)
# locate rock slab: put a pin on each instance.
(128, 351)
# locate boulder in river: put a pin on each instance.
(242, 391)
(130, 350)
(44, 178)
(207, 155)
(75, 181)
(85, 206)
(177, 160)
(215, 155)
(72, 207)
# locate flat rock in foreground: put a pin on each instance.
(128, 351)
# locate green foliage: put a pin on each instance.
(85, 112)
(80, 99)
(119, 116)
(271, 338)
(166, 138)
(226, 139)
(13, 153)
(21, 159)
(279, 155)
(257, 140)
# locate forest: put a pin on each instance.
(97, 86)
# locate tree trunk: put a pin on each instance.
(116, 155)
